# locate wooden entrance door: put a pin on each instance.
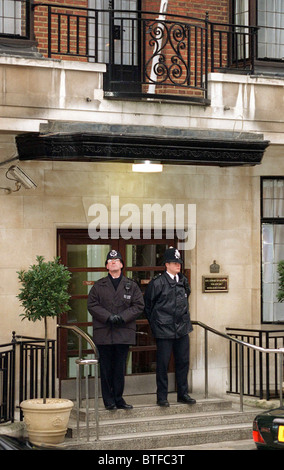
(85, 258)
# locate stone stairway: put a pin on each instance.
(148, 426)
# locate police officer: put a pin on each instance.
(166, 307)
(114, 303)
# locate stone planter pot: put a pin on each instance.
(46, 423)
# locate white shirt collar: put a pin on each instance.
(173, 276)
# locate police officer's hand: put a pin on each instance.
(115, 320)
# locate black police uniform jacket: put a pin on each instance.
(166, 306)
(126, 301)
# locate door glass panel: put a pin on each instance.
(145, 255)
(82, 281)
(125, 28)
(142, 277)
(73, 351)
(73, 339)
(84, 256)
(79, 311)
(242, 18)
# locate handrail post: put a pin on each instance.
(241, 377)
(85, 362)
(206, 54)
(78, 397)
(80, 377)
(281, 377)
(88, 362)
(206, 361)
(97, 398)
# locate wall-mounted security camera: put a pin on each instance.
(15, 173)
(21, 177)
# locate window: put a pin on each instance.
(272, 247)
(13, 14)
(125, 26)
(242, 18)
(268, 15)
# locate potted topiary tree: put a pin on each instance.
(44, 294)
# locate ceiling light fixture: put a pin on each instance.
(147, 167)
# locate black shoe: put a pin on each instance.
(186, 399)
(124, 406)
(163, 403)
(111, 407)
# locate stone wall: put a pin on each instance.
(227, 199)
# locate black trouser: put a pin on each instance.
(180, 348)
(112, 368)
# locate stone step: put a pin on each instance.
(146, 409)
(129, 424)
(148, 426)
(165, 439)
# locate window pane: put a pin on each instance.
(267, 188)
(273, 198)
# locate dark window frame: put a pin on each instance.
(261, 65)
(24, 40)
(271, 221)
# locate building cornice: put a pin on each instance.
(115, 143)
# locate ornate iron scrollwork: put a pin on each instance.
(169, 62)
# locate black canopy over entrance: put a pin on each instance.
(116, 143)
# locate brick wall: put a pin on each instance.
(41, 28)
(218, 9)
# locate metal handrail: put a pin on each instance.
(242, 344)
(81, 334)
(85, 362)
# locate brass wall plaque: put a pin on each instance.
(215, 284)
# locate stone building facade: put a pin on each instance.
(46, 103)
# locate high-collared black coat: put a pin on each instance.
(166, 306)
(127, 301)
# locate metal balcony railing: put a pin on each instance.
(261, 371)
(242, 368)
(21, 373)
(148, 55)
